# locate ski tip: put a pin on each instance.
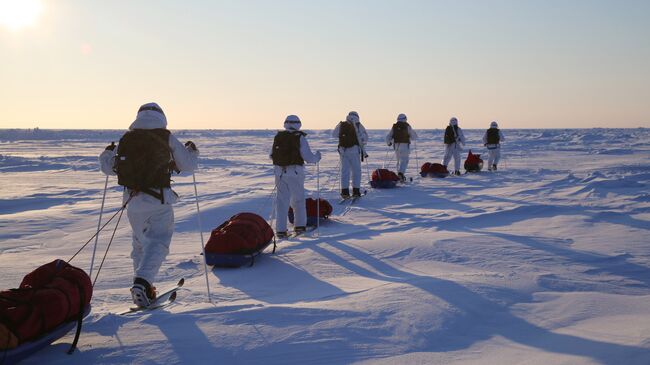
(181, 282)
(172, 297)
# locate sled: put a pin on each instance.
(383, 179)
(439, 175)
(312, 215)
(383, 184)
(29, 348)
(230, 260)
(434, 170)
(473, 163)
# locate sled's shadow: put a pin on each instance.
(284, 281)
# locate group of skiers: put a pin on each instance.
(148, 153)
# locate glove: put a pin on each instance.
(317, 156)
(110, 147)
(191, 145)
(390, 144)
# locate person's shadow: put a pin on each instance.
(481, 319)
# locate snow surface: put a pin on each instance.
(546, 261)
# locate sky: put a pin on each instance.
(239, 64)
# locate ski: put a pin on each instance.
(162, 300)
(343, 200)
(297, 234)
(355, 198)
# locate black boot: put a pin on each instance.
(356, 192)
(401, 176)
(494, 167)
(345, 193)
(142, 292)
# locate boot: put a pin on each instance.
(142, 292)
(494, 167)
(457, 172)
(401, 176)
(345, 193)
(282, 234)
(300, 229)
(356, 192)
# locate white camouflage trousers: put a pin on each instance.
(494, 155)
(290, 184)
(452, 150)
(153, 226)
(402, 153)
(350, 163)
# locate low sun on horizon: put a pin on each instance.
(19, 14)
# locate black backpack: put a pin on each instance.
(451, 134)
(347, 135)
(401, 133)
(493, 136)
(144, 161)
(286, 148)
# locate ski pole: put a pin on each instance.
(367, 168)
(417, 161)
(99, 224)
(198, 215)
(383, 166)
(318, 199)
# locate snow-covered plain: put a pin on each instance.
(546, 261)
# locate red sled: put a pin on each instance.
(473, 163)
(384, 179)
(237, 241)
(50, 301)
(312, 217)
(429, 169)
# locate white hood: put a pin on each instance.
(149, 119)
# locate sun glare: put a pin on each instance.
(19, 14)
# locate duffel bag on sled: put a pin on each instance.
(237, 241)
(312, 217)
(384, 179)
(429, 169)
(473, 163)
(49, 302)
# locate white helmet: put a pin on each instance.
(292, 122)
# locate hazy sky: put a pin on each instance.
(247, 64)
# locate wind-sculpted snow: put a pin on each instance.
(545, 261)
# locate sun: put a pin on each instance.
(19, 14)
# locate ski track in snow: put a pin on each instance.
(544, 262)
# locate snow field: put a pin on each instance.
(545, 261)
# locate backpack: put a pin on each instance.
(238, 240)
(324, 207)
(473, 163)
(401, 133)
(451, 134)
(144, 161)
(493, 136)
(47, 298)
(286, 148)
(347, 135)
